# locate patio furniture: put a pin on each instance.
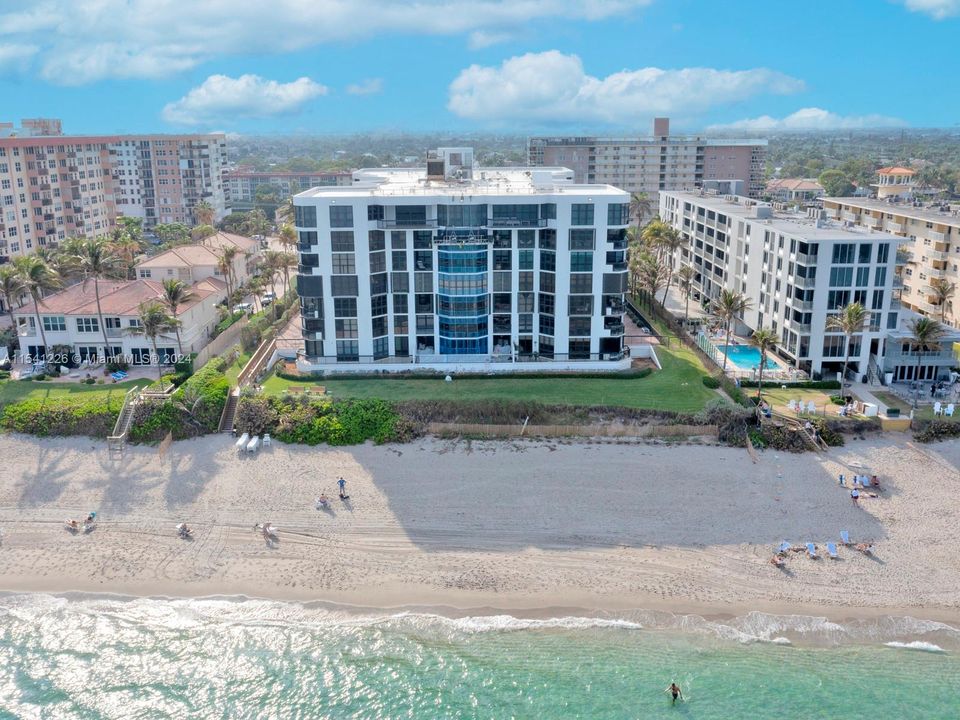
(948, 411)
(812, 551)
(845, 537)
(811, 407)
(792, 405)
(937, 408)
(254, 444)
(242, 441)
(832, 551)
(319, 389)
(267, 440)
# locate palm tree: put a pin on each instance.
(226, 267)
(268, 269)
(652, 234)
(850, 321)
(288, 260)
(287, 236)
(37, 278)
(154, 322)
(285, 212)
(927, 334)
(256, 223)
(766, 342)
(127, 247)
(728, 306)
(685, 276)
(670, 242)
(11, 286)
(175, 294)
(203, 213)
(944, 290)
(202, 232)
(95, 259)
(640, 206)
(652, 275)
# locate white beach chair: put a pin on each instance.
(242, 441)
(948, 411)
(811, 408)
(784, 547)
(832, 551)
(267, 439)
(812, 551)
(254, 444)
(845, 537)
(937, 408)
(792, 405)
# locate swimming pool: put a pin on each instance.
(745, 357)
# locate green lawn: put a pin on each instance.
(233, 370)
(677, 387)
(923, 412)
(12, 391)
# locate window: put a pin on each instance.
(526, 238)
(305, 216)
(866, 252)
(341, 241)
(837, 299)
(378, 305)
(618, 214)
(525, 323)
(548, 282)
(546, 326)
(525, 302)
(378, 262)
(525, 260)
(54, 323)
(88, 325)
(376, 240)
(892, 321)
(423, 282)
(341, 216)
(307, 239)
(843, 253)
(883, 253)
(345, 307)
(411, 215)
(378, 326)
(548, 260)
(582, 239)
(863, 276)
(834, 346)
(344, 285)
(378, 284)
(548, 211)
(401, 325)
(401, 346)
(374, 212)
(348, 350)
(423, 260)
(346, 328)
(880, 277)
(401, 303)
(581, 305)
(581, 214)
(841, 276)
(344, 263)
(548, 239)
(525, 281)
(400, 282)
(581, 262)
(399, 260)
(581, 283)
(398, 239)
(502, 259)
(546, 303)
(501, 282)
(877, 300)
(579, 349)
(381, 347)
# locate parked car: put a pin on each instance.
(242, 307)
(268, 297)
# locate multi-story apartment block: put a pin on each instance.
(931, 249)
(656, 163)
(162, 178)
(461, 264)
(241, 185)
(797, 269)
(53, 188)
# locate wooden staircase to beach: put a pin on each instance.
(118, 438)
(814, 442)
(229, 411)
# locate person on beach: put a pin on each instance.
(323, 502)
(854, 495)
(342, 484)
(675, 692)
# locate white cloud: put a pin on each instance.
(812, 119)
(937, 9)
(16, 58)
(553, 87)
(480, 39)
(220, 97)
(367, 87)
(86, 40)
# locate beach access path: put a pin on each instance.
(518, 526)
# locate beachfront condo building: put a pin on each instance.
(930, 250)
(241, 185)
(656, 163)
(55, 186)
(455, 264)
(798, 269)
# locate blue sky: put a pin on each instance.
(514, 66)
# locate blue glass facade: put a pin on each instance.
(463, 310)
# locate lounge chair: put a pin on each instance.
(937, 408)
(792, 405)
(811, 408)
(949, 410)
(784, 547)
(267, 439)
(845, 537)
(254, 444)
(242, 441)
(832, 551)
(812, 551)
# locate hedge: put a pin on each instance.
(194, 409)
(64, 416)
(928, 431)
(428, 375)
(800, 385)
(711, 382)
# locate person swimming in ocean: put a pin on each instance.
(675, 692)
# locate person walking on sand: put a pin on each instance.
(342, 484)
(854, 495)
(675, 692)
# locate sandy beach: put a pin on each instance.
(525, 527)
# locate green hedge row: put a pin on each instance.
(801, 385)
(93, 416)
(193, 409)
(424, 375)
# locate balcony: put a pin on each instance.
(849, 216)
(407, 224)
(618, 266)
(114, 332)
(312, 335)
(804, 283)
(44, 186)
(46, 202)
(936, 236)
(615, 308)
(870, 221)
(806, 259)
(805, 305)
(516, 223)
(799, 327)
(894, 227)
(897, 282)
(616, 328)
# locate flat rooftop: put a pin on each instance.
(793, 223)
(403, 182)
(924, 212)
(652, 140)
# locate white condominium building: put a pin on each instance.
(456, 263)
(797, 270)
(656, 163)
(931, 249)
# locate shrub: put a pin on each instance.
(39, 377)
(89, 381)
(80, 415)
(802, 384)
(153, 419)
(117, 363)
(711, 382)
(256, 415)
(928, 431)
(205, 393)
(732, 421)
(735, 393)
(4, 374)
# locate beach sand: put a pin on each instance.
(519, 526)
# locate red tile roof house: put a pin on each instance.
(193, 263)
(70, 318)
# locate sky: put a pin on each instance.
(510, 66)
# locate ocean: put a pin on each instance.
(89, 658)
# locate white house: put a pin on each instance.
(195, 262)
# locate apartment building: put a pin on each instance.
(652, 164)
(162, 178)
(241, 185)
(70, 320)
(52, 188)
(930, 249)
(798, 269)
(457, 264)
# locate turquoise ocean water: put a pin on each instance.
(93, 658)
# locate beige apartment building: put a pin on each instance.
(659, 162)
(241, 185)
(934, 250)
